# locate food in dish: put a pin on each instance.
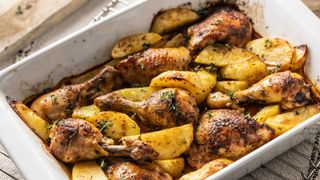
(185, 100)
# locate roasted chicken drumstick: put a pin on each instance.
(287, 88)
(228, 134)
(74, 140)
(60, 103)
(165, 108)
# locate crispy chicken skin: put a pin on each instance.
(287, 88)
(165, 108)
(60, 103)
(140, 68)
(132, 171)
(225, 25)
(75, 139)
(228, 134)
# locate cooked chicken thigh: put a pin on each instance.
(165, 108)
(225, 25)
(287, 88)
(60, 103)
(140, 68)
(129, 170)
(228, 134)
(74, 140)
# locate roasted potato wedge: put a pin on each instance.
(174, 166)
(207, 170)
(230, 86)
(134, 43)
(281, 123)
(274, 52)
(267, 112)
(137, 94)
(90, 74)
(172, 19)
(169, 143)
(114, 124)
(299, 57)
(199, 84)
(177, 41)
(235, 63)
(85, 112)
(88, 171)
(36, 123)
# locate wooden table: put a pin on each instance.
(82, 17)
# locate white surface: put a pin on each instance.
(48, 67)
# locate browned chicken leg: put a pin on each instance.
(60, 103)
(74, 140)
(140, 68)
(287, 88)
(228, 134)
(129, 170)
(165, 108)
(225, 25)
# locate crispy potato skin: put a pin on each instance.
(172, 19)
(88, 170)
(299, 58)
(275, 52)
(140, 68)
(207, 170)
(134, 43)
(281, 123)
(224, 25)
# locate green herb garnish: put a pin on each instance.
(146, 46)
(209, 115)
(169, 96)
(103, 124)
(230, 94)
(247, 115)
(211, 68)
(267, 43)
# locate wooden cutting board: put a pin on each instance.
(23, 20)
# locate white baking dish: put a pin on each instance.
(91, 45)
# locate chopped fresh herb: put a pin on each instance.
(19, 10)
(142, 66)
(197, 68)
(229, 47)
(216, 21)
(211, 68)
(48, 126)
(169, 96)
(275, 69)
(230, 94)
(247, 115)
(146, 46)
(104, 124)
(54, 99)
(203, 12)
(103, 163)
(267, 43)
(209, 115)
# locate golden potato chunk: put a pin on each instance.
(85, 112)
(283, 122)
(177, 41)
(299, 57)
(134, 43)
(199, 84)
(137, 94)
(207, 170)
(114, 124)
(169, 143)
(236, 63)
(35, 123)
(87, 171)
(267, 112)
(174, 166)
(275, 52)
(230, 86)
(172, 19)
